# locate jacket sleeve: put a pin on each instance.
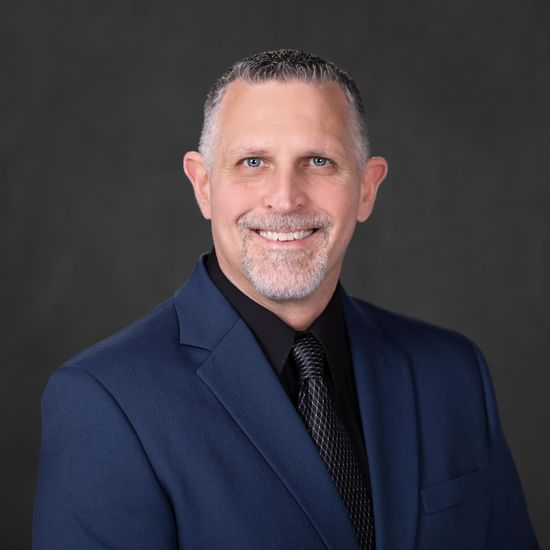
(509, 525)
(96, 487)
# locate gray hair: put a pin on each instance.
(283, 66)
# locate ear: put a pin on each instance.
(195, 170)
(373, 175)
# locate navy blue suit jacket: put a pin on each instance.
(176, 433)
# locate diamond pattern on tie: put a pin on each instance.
(329, 435)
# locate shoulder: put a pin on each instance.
(145, 353)
(448, 370)
(408, 331)
(144, 338)
(95, 416)
(434, 352)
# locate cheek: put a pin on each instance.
(229, 203)
(341, 205)
(343, 211)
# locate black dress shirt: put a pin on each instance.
(275, 338)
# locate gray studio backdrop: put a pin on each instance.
(100, 100)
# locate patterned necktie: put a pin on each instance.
(329, 435)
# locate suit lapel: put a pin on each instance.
(387, 401)
(238, 374)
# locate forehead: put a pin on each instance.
(279, 107)
(278, 96)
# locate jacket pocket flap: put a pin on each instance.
(455, 491)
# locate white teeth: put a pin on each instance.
(294, 236)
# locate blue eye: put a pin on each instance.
(319, 161)
(252, 162)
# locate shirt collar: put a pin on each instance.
(274, 335)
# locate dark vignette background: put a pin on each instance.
(100, 99)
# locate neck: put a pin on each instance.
(298, 314)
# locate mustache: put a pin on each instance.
(280, 222)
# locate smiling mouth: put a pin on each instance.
(285, 236)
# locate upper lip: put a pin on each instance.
(286, 235)
(284, 230)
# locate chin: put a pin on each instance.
(285, 275)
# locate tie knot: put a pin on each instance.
(309, 356)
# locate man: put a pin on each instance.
(262, 407)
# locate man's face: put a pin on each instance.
(285, 188)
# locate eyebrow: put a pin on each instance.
(247, 152)
(261, 152)
(320, 152)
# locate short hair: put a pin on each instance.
(284, 66)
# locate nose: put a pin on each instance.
(285, 192)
